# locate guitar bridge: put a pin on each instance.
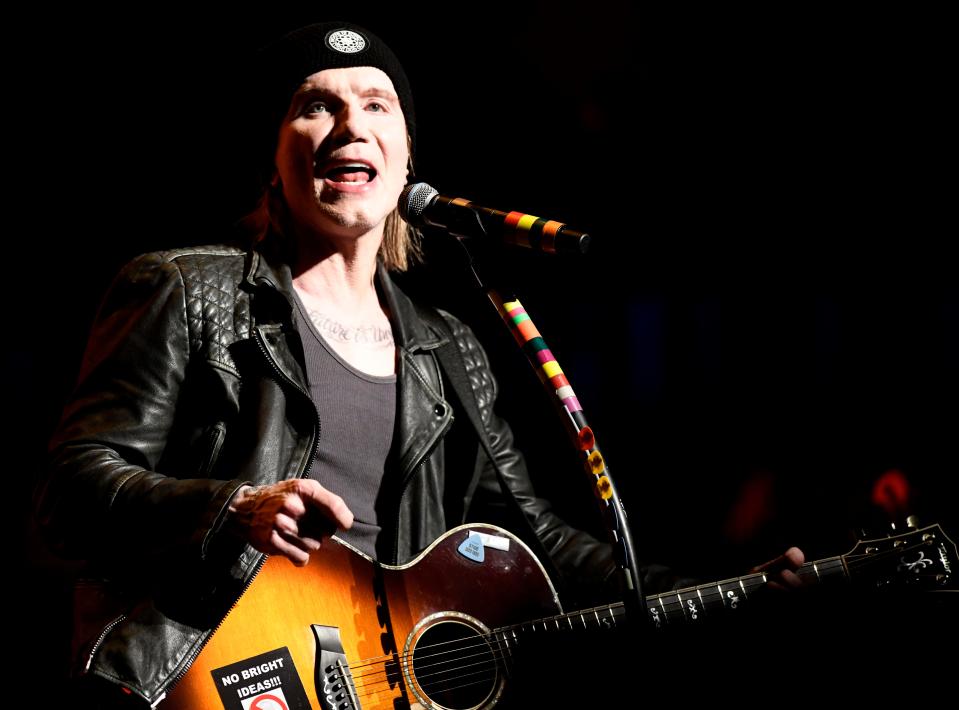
(334, 682)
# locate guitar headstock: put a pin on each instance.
(922, 558)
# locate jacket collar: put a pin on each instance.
(410, 331)
(268, 271)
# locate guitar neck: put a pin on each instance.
(697, 603)
(691, 604)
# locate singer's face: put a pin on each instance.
(342, 153)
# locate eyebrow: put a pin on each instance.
(382, 93)
(371, 91)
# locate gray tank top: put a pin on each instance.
(357, 414)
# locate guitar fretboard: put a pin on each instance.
(689, 605)
(695, 604)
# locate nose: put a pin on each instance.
(351, 124)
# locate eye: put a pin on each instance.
(376, 106)
(314, 107)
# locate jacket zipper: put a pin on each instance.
(96, 645)
(283, 377)
(408, 479)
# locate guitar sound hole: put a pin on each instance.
(454, 665)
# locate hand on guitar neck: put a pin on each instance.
(290, 518)
(782, 569)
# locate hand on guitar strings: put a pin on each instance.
(781, 570)
(289, 518)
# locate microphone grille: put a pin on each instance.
(413, 202)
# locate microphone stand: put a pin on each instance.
(564, 400)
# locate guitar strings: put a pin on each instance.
(370, 683)
(706, 592)
(365, 683)
(492, 654)
(485, 668)
(479, 640)
(390, 704)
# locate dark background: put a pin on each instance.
(768, 322)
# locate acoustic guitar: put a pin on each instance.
(442, 632)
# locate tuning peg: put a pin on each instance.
(912, 523)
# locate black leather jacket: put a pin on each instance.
(193, 384)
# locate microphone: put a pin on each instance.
(422, 206)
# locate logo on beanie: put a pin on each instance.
(346, 41)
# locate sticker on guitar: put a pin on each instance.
(268, 681)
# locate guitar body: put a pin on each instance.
(388, 621)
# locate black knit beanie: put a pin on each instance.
(282, 66)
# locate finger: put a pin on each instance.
(772, 565)
(315, 524)
(328, 502)
(305, 543)
(790, 578)
(286, 524)
(294, 505)
(299, 533)
(341, 513)
(794, 557)
(790, 559)
(282, 547)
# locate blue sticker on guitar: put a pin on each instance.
(472, 548)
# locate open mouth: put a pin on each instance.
(351, 173)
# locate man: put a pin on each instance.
(235, 402)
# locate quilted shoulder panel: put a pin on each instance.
(477, 364)
(218, 311)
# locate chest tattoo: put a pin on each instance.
(332, 329)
